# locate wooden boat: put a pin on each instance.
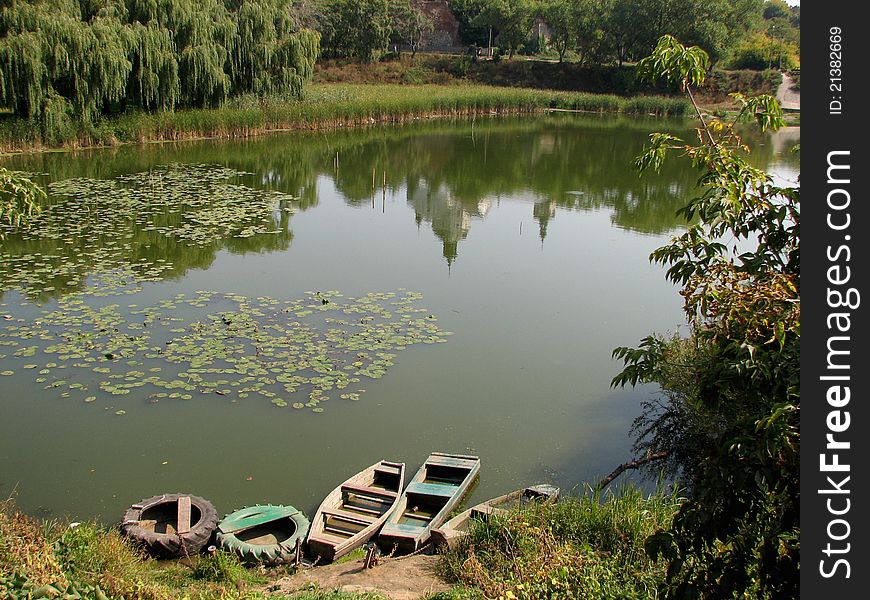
(353, 512)
(457, 527)
(431, 495)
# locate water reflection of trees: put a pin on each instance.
(449, 173)
(100, 233)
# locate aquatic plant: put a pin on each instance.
(297, 353)
(94, 232)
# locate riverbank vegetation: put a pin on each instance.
(727, 424)
(68, 64)
(585, 546)
(89, 562)
(109, 71)
(447, 69)
(331, 106)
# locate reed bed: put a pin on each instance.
(332, 106)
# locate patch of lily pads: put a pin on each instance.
(295, 353)
(111, 236)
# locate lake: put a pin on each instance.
(253, 321)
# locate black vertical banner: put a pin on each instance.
(835, 300)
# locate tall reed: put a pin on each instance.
(331, 106)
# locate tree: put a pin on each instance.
(411, 25)
(634, 26)
(560, 16)
(472, 31)
(511, 21)
(358, 29)
(732, 404)
(65, 63)
(759, 51)
(590, 39)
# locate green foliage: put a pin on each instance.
(19, 198)
(472, 31)
(676, 63)
(588, 546)
(511, 22)
(729, 420)
(760, 51)
(561, 17)
(411, 25)
(330, 104)
(64, 63)
(604, 31)
(355, 29)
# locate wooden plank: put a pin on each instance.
(326, 538)
(452, 461)
(402, 529)
(388, 469)
(370, 492)
(469, 457)
(183, 519)
(339, 530)
(431, 489)
(344, 515)
(147, 524)
(485, 510)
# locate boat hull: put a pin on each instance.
(353, 513)
(449, 534)
(431, 495)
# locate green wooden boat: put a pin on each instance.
(431, 495)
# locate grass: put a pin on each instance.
(333, 106)
(50, 559)
(585, 546)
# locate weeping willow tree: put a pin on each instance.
(265, 57)
(64, 63)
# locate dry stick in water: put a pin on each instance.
(632, 464)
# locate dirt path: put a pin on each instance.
(403, 579)
(788, 98)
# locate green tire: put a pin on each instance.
(264, 533)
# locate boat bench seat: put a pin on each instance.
(401, 529)
(465, 462)
(356, 507)
(326, 538)
(388, 468)
(349, 516)
(431, 489)
(369, 492)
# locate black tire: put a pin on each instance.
(171, 545)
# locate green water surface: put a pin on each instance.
(479, 273)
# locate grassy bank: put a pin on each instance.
(328, 106)
(587, 546)
(63, 560)
(535, 73)
(583, 547)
